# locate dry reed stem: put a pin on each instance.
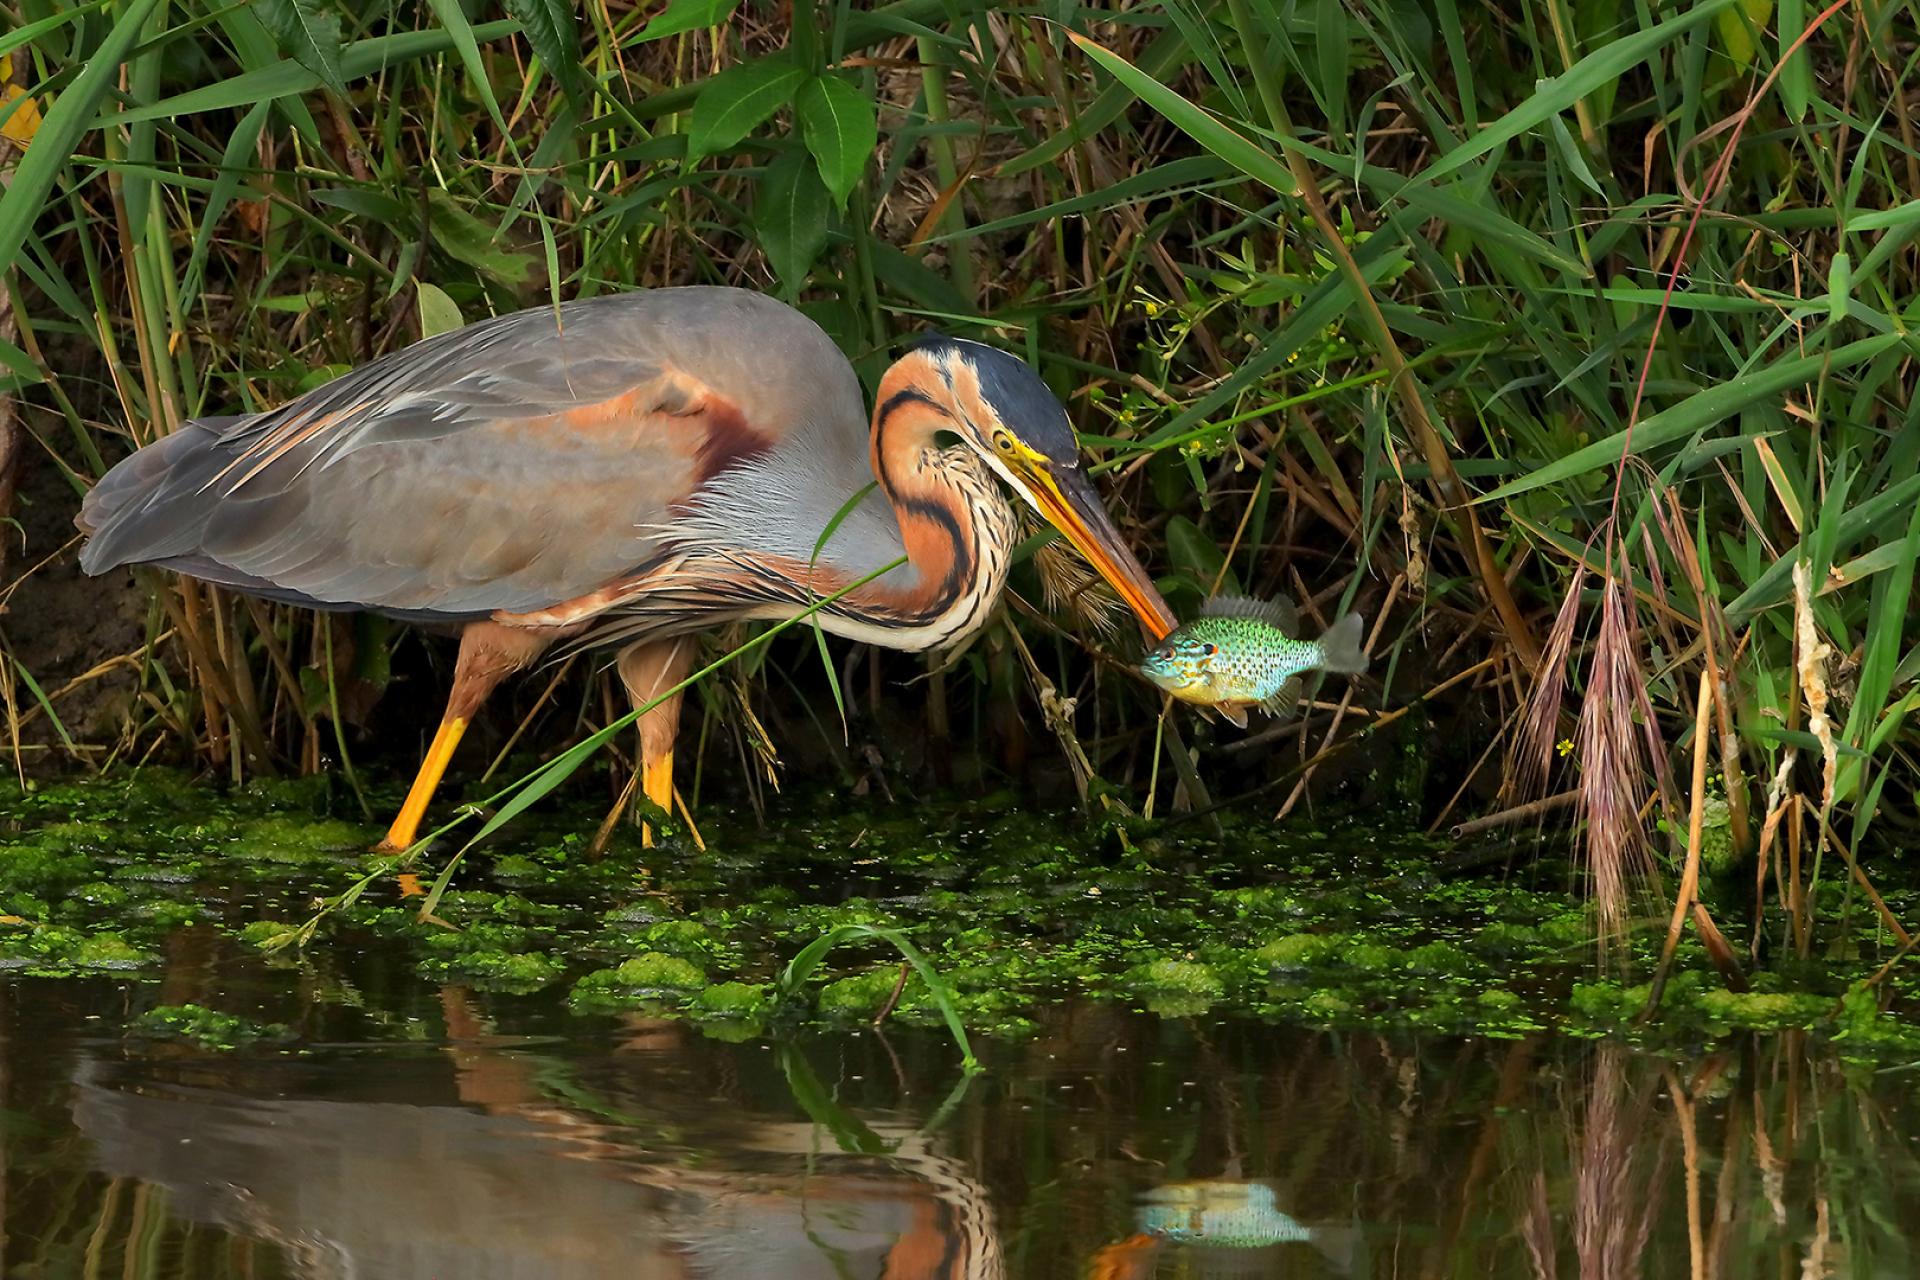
(1690, 876)
(1810, 664)
(1690, 1156)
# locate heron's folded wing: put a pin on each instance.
(511, 465)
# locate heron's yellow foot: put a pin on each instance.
(406, 827)
(656, 779)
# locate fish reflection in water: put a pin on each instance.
(391, 1190)
(1223, 1228)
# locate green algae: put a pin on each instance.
(1012, 909)
(641, 980)
(520, 972)
(739, 1001)
(296, 841)
(864, 995)
(205, 1028)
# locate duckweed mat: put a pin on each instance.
(1338, 926)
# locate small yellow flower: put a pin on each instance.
(1565, 747)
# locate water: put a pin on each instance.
(414, 1130)
(1154, 1102)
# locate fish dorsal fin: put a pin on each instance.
(1277, 613)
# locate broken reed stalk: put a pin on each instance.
(1690, 875)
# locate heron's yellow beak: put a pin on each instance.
(1069, 503)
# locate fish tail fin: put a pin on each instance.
(1342, 1247)
(1340, 646)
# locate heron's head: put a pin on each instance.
(1003, 411)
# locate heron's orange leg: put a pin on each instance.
(647, 670)
(406, 824)
(489, 653)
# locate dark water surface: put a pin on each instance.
(413, 1130)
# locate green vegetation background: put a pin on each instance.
(1353, 300)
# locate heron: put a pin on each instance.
(626, 470)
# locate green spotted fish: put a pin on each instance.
(1242, 653)
(1230, 1214)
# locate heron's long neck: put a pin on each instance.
(957, 530)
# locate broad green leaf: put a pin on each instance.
(65, 124)
(438, 312)
(1236, 148)
(837, 121)
(736, 100)
(1737, 24)
(1557, 93)
(308, 32)
(470, 239)
(1699, 411)
(790, 210)
(20, 364)
(551, 29)
(681, 16)
(1839, 286)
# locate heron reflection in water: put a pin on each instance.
(512, 1185)
(623, 470)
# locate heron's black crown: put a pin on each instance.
(1026, 405)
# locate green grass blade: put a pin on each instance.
(60, 132)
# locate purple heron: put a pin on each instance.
(627, 470)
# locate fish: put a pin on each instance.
(1235, 1214)
(1241, 653)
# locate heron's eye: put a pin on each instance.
(1003, 442)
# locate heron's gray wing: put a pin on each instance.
(511, 465)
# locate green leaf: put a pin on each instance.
(1236, 148)
(309, 33)
(20, 364)
(1839, 286)
(359, 59)
(460, 31)
(72, 115)
(550, 28)
(234, 163)
(736, 100)
(471, 240)
(438, 312)
(1493, 230)
(791, 211)
(1796, 77)
(837, 121)
(1557, 93)
(34, 30)
(681, 16)
(1699, 411)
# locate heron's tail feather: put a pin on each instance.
(136, 513)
